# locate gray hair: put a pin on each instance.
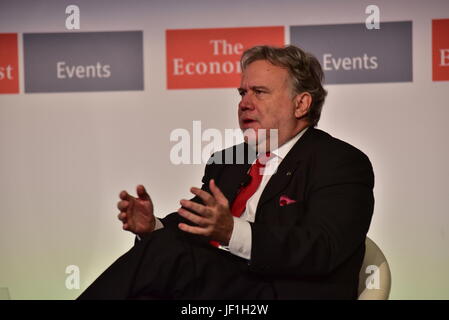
(304, 69)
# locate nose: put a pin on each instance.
(246, 102)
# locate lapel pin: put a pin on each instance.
(289, 173)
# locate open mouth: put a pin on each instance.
(248, 121)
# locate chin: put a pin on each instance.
(254, 139)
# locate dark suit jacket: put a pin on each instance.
(313, 248)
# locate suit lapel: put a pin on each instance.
(231, 180)
(287, 168)
(234, 174)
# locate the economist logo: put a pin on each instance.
(9, 65)
(440, 49)
(210, 58)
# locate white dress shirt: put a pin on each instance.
(241, 240)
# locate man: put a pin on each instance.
(297, 232)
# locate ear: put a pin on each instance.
(302, 101)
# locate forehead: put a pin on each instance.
(262, 70)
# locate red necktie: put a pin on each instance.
(246, 192)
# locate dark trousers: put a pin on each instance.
(171, 264)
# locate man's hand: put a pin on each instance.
(136, 214)
(214, 219)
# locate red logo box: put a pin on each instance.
(440, 50)
(210, 58)
(9, 63)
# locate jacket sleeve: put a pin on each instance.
(337, 210)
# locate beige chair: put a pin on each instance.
(375, 276)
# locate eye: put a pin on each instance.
(259, 92)
(242, 92)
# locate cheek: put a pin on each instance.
(280, 115)
(274, 114)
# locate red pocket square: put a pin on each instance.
(284, 200)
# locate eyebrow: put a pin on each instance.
(254, 88)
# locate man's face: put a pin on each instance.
(267, 101)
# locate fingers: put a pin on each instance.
(122, 216)
(219, 196)
(126, 205)
(196, 207)
(122, 205)
(192, 217)
(203, 195)
(194, 230)
(208, 199)
(142, 193)
(124, 195)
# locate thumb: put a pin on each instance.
(142, 193)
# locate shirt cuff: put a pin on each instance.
(158, 225)
(240, 243)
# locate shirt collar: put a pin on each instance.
(282, 151)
